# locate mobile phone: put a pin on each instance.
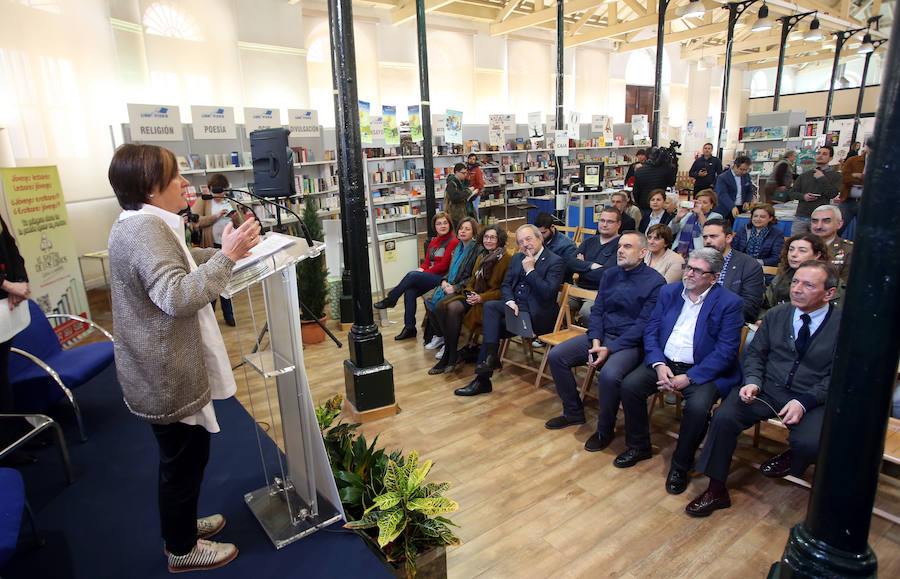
(592, 358)
(687, 204)
(232, 212)
(469, 293)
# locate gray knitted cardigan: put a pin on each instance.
(155, 300)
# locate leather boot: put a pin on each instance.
(480, 385)
(491, 360)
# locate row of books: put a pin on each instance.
(383, 176)
(758, 133)
(395, 211)
(329, 203)
(306, 184)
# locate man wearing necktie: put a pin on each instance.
(787, 367)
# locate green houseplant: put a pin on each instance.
(312, 286)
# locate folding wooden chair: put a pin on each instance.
(526, 343)
(583, 233)
(573, 232)
(565, 328)
(770, 270)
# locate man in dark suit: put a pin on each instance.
(741, 274)
(734, 199)
(597, 253)
(787, 365)
(531, 285)
(691, 343)
(619, 200)
(706, 169)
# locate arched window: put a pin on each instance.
(165, 19)
(759, 84)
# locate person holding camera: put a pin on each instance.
(656, 173)
(212, 217)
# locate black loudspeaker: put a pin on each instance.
(273, 163)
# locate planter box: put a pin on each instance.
(431, 564)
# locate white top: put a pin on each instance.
(215, 356)
(680, 345)
(216, 205)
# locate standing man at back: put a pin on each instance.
(815, 188)
(705, 169)
(734, 189)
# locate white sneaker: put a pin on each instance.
(536, 343)
(440, 353)
(204, 555)
(209, 526)
(435, 343)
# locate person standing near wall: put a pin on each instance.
(474, 180)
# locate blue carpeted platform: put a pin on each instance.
(106, 523)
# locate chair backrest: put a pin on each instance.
(585, 232)
(38, 338)
(572, 232)
(770, 269)
(564, 319)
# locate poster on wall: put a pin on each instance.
(509, 124)
(495, 130)
(38, 217)
(602, 125)
(256, 118)
(154, 123)
(453, 127)
(391, 131)
(213, 122)
(303, 122)
(377, 124)
(437, 125)
(535, 127)
(365, 126)
(573, 119)
(415, 123)
(640, 129)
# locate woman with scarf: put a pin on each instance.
(461, 265)
(688, 223)
(465, 308)
(456, 194)
(760, 239)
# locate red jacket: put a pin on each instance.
(475, 178)
(439, 253)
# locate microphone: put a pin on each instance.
(207, 197)
(230, 194)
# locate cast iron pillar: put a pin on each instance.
(346, 303)
(832, 541)
(862, 88)
(657, 88)
(560, 82)
(840, 38)
(368, 377)
(425, 119)
(787, 24)
(735, 9)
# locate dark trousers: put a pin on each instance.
(493, 327)
(413, 284)
(449, 315)
(734, 416)
(849, 211)
(639, 385)
(183, 454)
(573, 352)
(227, 309)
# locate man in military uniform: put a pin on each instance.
(825, 222)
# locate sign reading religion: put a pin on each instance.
(303, 122)
(213, 122)
(154, 123)
(38, 217)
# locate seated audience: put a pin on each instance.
(657, 212)
(687, 226)
(425, 277)
(620, 201)
(660, 257)
(554, 240)
(463, 305)
(787, 365)
(625, 299)
(531, 286)
(461, 264)
(691, 343)
(798, 249)
(760, 239)
(597, 253)
(741, 273)
(825, 222)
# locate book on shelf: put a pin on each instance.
(196, 164)
(183, 163)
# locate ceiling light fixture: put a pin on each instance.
(693, 9)
(814, 33)
(866, 47)
(762, 23)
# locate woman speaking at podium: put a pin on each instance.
(161, 294)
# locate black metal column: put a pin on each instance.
(832, 542)
(735, 9)
(346, 304)
(368, 378)
(425, 117)
(657, 90)
(840, 38)
(862, 89)
(560, 82)
(787, 24)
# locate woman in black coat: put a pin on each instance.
(657, 212)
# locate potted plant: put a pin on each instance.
(312, 287)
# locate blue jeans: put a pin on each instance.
(574, 352)
(413, 284)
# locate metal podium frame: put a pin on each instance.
(301, 497)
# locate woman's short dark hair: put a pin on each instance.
(713, 198)
(471, 221)
(655, 192)
(441, 215)
(136, 171)
(663, 231)
(502, 235)
(818, 246)
(768, 208)
(459, 167)
(217, 180)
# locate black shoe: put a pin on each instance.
(383, 304)
(477, 386)
(451, 368)
(490, 363)
(406, 333)
(562, 422)
(597, 442)
(677, 481)
(229, 322)
(706, 503)
(631, 457)
(438, 368)
(779, 466)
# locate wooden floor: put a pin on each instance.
(533, 503)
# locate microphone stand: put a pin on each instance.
(309, 240)
(249, 207)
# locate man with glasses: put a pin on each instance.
(734, 189)
(786, 371)
(741, 273)
(597, 253)
(691, 342)
(815, 188)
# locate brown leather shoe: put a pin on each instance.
(778, 466)
(706, 503)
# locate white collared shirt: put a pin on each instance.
(738, 198)
(680, 345)
(815, 320)
(215, 356)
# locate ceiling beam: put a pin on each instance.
(582, 20)
(477, 13)
(636, 6)
(675, 37)
(614, 30)
(520, 21)
(507, 10)
(406, 12)
(819, 56)
(771, 53)
(612, 14)
(755, 41)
